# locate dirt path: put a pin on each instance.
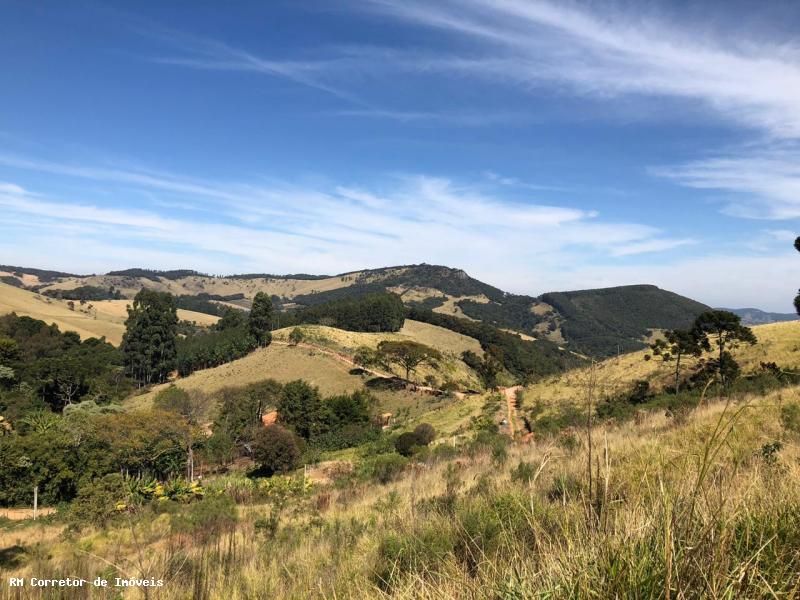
(510, 394)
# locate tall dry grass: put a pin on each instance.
(707, 507)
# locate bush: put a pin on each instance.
(523, 472)
(425, 434)
(410, 442)
(384, 467)
(276, 450)
(207, 519)
(406, 443)
(564, 488)
(96, 502)
(402, 554)
(790, 417)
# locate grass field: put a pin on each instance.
(50, 310)
(777, 342)
(333, 376)
(287, 288)
(688, 509)
(104, 319)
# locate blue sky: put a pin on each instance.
(538, 145)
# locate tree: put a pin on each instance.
(148, 345)
(296, 336)
(241, 409)
(260, 322)
(275, 449)
(409, 355)
(727, 331)
(488, 367)
(676, 345)
(9, 351)
(231, 319)
(300, 409)
(364, 357)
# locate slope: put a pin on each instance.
(325, 364)
(777, 342)
(94, 319)
(606, 321)
(597, 322)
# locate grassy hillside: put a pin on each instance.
(57, 312)
(593, 322)
(331, 373)
(777, 342)
(104, 319)
(490, 522)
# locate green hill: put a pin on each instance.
(598, 322)
(604, 321)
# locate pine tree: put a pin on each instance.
(260, 323)
(148, 345)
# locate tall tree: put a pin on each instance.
(148, 345)
(676, 345)
(726, 330)
(260, 322)
(409, 355)
(300, 409)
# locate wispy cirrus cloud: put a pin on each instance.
(599, 50)
(760, 183)
(605, 51)
(330, 228)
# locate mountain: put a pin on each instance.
(599, 322)
(755, 316)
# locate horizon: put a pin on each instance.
(537, 146)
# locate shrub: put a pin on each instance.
(276, 450)
(523, 472)
(96, 502)
(425, 434)
(402, 554)
(384, 467)
(406, 443)
(564, 488)
(790, 417)
(207, 519)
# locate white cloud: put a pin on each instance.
(762, 183)
(604, 51)
(327, 229)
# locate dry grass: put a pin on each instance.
(777, 342)
(117, 310)
(104, 319)
(194, 285)
(282, 363)
(53, 311)
(679, 510)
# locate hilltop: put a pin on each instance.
(599, 322)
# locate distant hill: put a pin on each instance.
(604, 321)
(595, 322)
(755, 316)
